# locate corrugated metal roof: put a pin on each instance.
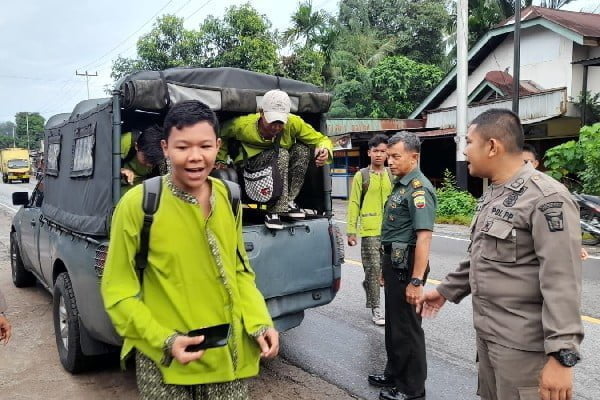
(339, 126)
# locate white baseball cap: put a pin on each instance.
(276, 106)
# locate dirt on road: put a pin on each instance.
(30, 369)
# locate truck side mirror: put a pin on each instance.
(20, 198)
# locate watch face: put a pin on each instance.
(569, 359)
(416, 282)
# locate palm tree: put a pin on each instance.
(307, 24)
(554, 3)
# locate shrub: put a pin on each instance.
(454, 203)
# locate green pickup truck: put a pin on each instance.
(61, 234)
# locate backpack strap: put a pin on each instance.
(366, 180)
(234, 194)
(150, 203)
(392, 177)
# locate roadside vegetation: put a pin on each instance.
(455, 206)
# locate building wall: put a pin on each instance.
(582, 53)
(545, 59)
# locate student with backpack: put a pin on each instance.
(197, 274)
(371, 187)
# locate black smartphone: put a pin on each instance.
(214, 336)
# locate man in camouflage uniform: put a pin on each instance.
(406, 238)
(365, 209)
(523, 270)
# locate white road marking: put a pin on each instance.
(14, 210)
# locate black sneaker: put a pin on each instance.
(272, 221)
(294, 211)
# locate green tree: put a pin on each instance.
(307, 25)
(6, 128)
(304, 65)
(577, 163)
(241, 39)
(30, 125)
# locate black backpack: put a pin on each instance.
(150, 203)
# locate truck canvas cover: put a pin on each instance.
(78, 162)
(79, 151)
(223, 89)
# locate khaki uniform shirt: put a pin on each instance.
(410, 208)
(524, 270)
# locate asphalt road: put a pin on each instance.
(337, 346)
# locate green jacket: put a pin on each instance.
(140, 171)
(370, 216)
(194, 279)
(245, 129)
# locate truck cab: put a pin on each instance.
(60, 236)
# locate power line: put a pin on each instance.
(128, 37)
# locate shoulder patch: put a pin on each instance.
(416, 183)
(552, 204)
(555, 221)
(418, 193)
(420, 201)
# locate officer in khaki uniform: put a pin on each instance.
(524, 270)
(406, 234)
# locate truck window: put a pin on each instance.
(53, 155)
(17, 164)
(83, 151)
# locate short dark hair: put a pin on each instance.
(529, 148)
(188, 113)
(503, 125)
(148, 143)
(377, 140)
(410, 140)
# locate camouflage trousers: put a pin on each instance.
(151, 386)
(292, 164)
(371, 261)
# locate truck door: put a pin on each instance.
(30, 228)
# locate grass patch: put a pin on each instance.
(454, 220)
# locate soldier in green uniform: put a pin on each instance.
(406, 234)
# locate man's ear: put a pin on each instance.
(496, 147)
(163, 145)
(219, 144)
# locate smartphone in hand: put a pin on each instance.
(214, 336)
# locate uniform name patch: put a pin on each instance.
(552, 204)
(555, 221)
(418, 193)
(419, 201)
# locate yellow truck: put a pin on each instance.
(15, 165)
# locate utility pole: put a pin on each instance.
(462, 43)
(14, 143)
(517, 58)
(87, 80)
(27, 128)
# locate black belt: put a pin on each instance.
(387, 248)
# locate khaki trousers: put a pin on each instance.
(508, 374)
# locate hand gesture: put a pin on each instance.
(430, 303)
(321, 156)
(556, 381)
(351, 240)
(268, 343)
(128, 175)
(178, 350)
(5, 330)
(413, 293)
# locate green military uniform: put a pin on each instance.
(369, 216)
(410, 208)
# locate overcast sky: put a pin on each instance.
(43, 43)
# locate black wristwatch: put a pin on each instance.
(567, 358)
(417, 282)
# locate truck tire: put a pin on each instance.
(66, 326)
(4, 178)
(20, 276)
(26, 180)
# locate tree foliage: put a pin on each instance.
(453, 202)
(28, 124)
(577, 163)
(6, 128)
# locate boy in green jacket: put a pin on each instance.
(365, 208)
(259, 134)
(198, 275)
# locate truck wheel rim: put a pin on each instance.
(63, 323)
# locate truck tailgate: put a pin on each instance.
(294, 260)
